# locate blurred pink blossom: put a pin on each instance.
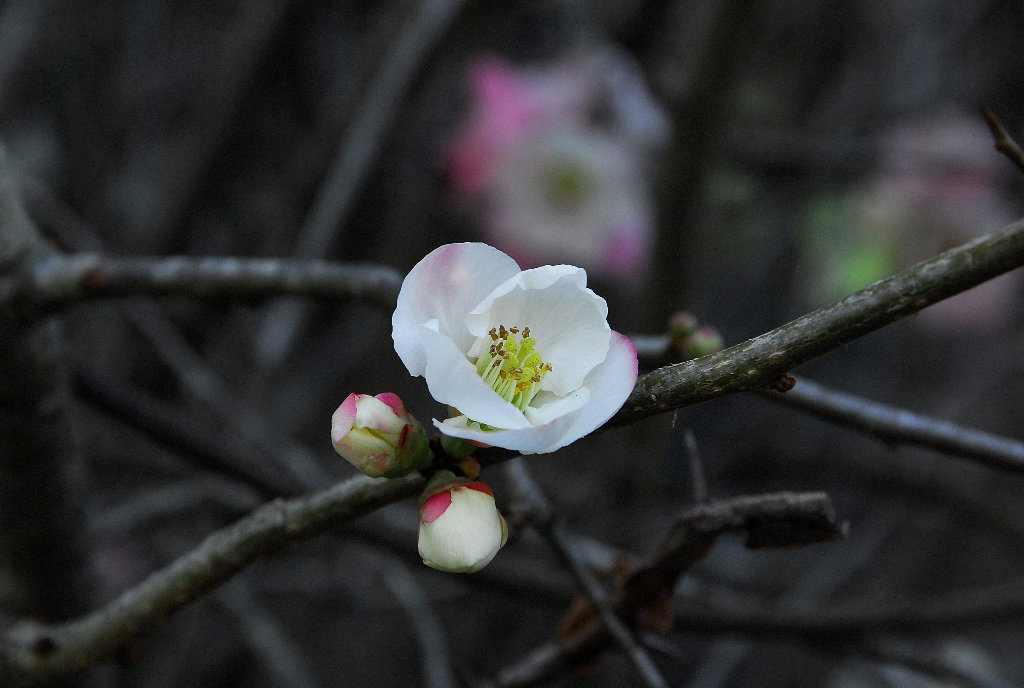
(554, 161)
(508, 106)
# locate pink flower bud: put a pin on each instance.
(460, 527)
(377, 436)
(682, 325)
(706, 340)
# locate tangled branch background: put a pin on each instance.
(207, 211)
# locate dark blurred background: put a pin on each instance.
(756, 160)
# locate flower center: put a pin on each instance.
(511, 366)
(567, 186)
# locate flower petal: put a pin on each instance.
(568, 320)
(446, 285)
(609, 384)
(344, 417)
(550, 408)
(453, 380)
(378, 416)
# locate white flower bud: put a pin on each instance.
(460, 527)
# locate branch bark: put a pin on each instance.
(36, 652)
(542, 517)
(966, 608)
(899, 425)
(57, 281)
(1003, 141)
(758, 362)
(771, 520)
(753, 364)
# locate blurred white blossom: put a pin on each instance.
(555, 161)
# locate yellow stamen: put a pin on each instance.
(512, 366)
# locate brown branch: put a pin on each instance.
(935, 615)
(1004, 142)
(894, 424)
(758, 362)
(379, 107)
(889, 423)
(542, 517)
(35, 652)
(772, 520)
(59, 280)
(193, 437)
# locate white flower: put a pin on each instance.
(460, 527)
(525, 358)
(575, 193)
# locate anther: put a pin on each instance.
(512, 367)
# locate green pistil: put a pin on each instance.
(511, 366)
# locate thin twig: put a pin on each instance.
(380, 105)
(934, 615)
(697, 475)
(43, 530)
(930, 663)
(276, 650)
(542, 517)
(281, 452)
(894, 424)
(435, 656)
(1004, 142)
(758, 362)
(185, 432)
(60, 280)
(782, 519)
(889, 423)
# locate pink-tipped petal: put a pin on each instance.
(394, 401)
(438, 293)
(435, 505)
(480, 487)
